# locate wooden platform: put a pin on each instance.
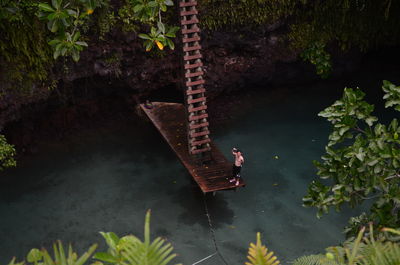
(170, 120)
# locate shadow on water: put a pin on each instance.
(13, 189)
(192, 200)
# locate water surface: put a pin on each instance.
(105, 179)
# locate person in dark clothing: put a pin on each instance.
(237, 165)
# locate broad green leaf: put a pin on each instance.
(82, 43)
(144, 36)
(54, 42)
(138, 8)
(169, 2)
(45, 7)
(370, 120)
(106, 257)
(56, 53)
(56, 3)
(76, 36)
(75, 55)
(34, 255)
(71, 12)
(152, 4)
(161, 27)
(170, 43)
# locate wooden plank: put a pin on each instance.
(189, 12)
(195, 91)
(192, 57)
(191, 48)
(194, 74)
(190, 21)
(193, 65)
(197, 151)
(190, 3)
(204, 107)
(193, 29)
(195, 83)
(196, 100)
(198, 125)
(208, 140)
(195, 38)
(198, 117)
(197, 134)
(170, 121)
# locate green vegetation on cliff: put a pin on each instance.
(64, 28)
(7, 153)
(312, 25)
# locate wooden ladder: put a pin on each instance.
(198, 132)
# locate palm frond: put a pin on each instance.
(259, 255)
(314, 260)
(12, 262)
(130, 250)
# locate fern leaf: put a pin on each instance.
(258, 254)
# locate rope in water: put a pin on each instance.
(197, 262)
(212, 230)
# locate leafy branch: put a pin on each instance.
(150, 13)
(7, 154)
(64, 18)
(362, 159)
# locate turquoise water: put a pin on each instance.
(105, 179)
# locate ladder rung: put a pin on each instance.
(198, 125)
(197, 134)
(191, 48)
(195, 91)
(196, 38)
(208, 140)
(198, 117)
(193, 65)
(196, 151)
(190, 3)
(192, 30)
(187, 75)
(191, 101)
(188, 13)
(190, 21)
(192, 57)
(195, 83)
(197, 108)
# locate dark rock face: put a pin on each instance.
(119, 70)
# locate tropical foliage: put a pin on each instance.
(130, 250)
(61, 28)
(365, 249)
(361, 161)
(362, 250)
(60, 257)
(7, 153)
(150, 14)
(361, 24)
(64, 19)
(127, 250)
(27, 64)
(258, 254)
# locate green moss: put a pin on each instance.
(217, 14)
(24, 51)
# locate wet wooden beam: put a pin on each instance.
(170, 121)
